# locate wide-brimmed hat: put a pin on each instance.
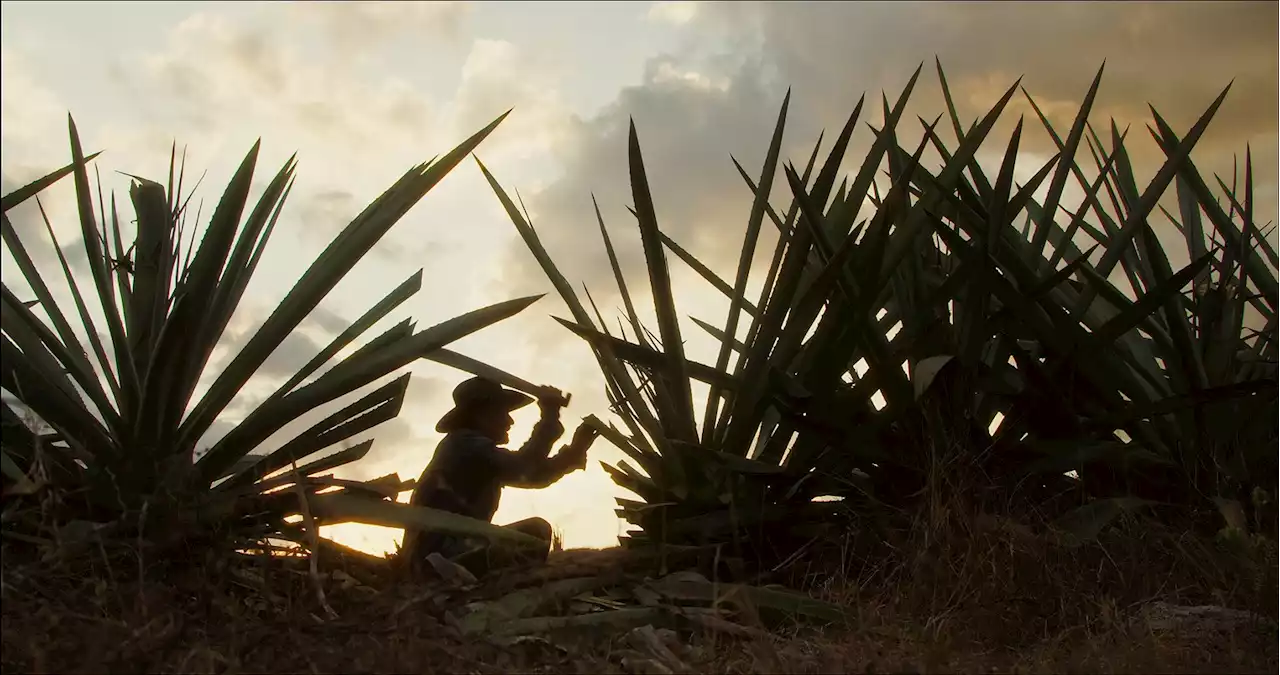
(479, 393)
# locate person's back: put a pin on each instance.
(469, 469)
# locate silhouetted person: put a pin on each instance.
(470, 467)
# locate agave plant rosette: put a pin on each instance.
(949, 327)
(124, 416)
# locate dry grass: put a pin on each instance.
(991, 597)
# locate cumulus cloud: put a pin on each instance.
(327, 321)
(214, 69)
(694, 109)
(31, 112)
(698, 196)
(676, 12)
(497, 76)
(358, 25)
(325, 212)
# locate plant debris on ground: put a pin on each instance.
(998, 599)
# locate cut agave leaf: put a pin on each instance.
(349, 508)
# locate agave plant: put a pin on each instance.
(125, 425)
(959, 331)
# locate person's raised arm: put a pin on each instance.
(540, 473)
(548, 430)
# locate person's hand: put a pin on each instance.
(583, 437)
(551, 399)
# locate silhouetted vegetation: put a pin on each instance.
(969, 426)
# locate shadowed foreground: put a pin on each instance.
(996, 599)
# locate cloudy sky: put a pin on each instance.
(364, 91)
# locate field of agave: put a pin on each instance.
(953, 338)
(950, 337)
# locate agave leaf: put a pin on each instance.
(52, 463)
(22, 194)
(332, 461)
(738, 294)
(1129, 261)
(973, 326)
(1255, 269)
(617, 274)
(392, 514)
(1067, 153)
(683, 426)
(902, 241)
(946, 97)
(983, 186)
(647, 459)
(1146, 203)
(862, 293)
(1264, 240)
(1187, 364)
(747, 405)
(649, 358)
(766, 292)
(783, 230)
(1176, 403)
(706, 273)
(650, 490)
(123, 265)
(718, 334)
(964, 192)
(249, 246)
(1063, 243)
(45, 299)
(188, 335)
(395, 298)
(31, 336)
(1044, 287)
(377, 407)
(125, 366)
(354, 372)
(147, 299)
(85, 319)
(1149, 302)
(614, 371)
(374, 488)
(1072, 165)
(328, 269)
(34, 387)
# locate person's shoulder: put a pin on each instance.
(464, 440)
